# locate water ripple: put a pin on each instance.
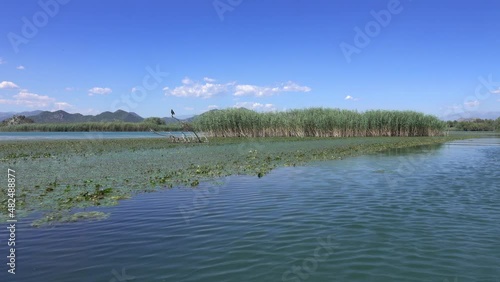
(428, 216)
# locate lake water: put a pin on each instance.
(421, 214)
(7, 136)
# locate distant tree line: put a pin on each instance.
(21, 123)
(154, 120)
(475, 125)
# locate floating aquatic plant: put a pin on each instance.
(58, 217)
(75, 177)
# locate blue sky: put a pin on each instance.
(437, 57)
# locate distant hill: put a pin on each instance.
(169, 120)
(7, 115)
(117, 116)
(472, 115)
(58, 117)
(191, 118)
(172, 120)
(64, 117)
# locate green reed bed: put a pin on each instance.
(90, 126)
(318, 122)
(55, 177)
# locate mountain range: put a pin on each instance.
(65, 117)
(471, 115)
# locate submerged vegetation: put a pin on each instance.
(68, 217)
(317, 122)
(61, 177)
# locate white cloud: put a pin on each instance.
(259, 91)
(20, 67)
(7, 84)
(99, 91)
(188, 108)
(471, 104)
(209, 88)
(246, 89)
(25, 98)
(186, 80)
(255, 106)
(211, 107)
(496, 91)
(89, 111)
(196, 89)
(62, 106)
(291, 86)
(69, 89)
(2, 61)
(349, 97)
(32, 100)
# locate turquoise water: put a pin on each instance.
(424, 214)
(4, 136)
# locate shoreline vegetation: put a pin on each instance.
(241, 122)
(116, 126)
(59, 178)
(317, 122)
(474, 125)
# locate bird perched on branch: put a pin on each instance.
(172, 112)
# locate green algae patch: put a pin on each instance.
(55, 177)
(52, 218)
